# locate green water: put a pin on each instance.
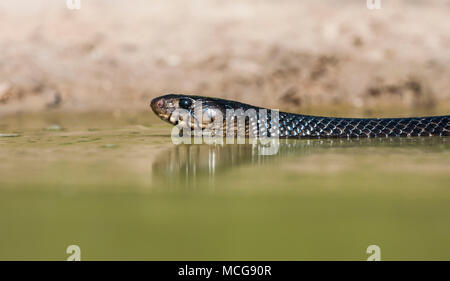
(119, 189)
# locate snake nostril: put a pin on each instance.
(157, 104)
(160, 103)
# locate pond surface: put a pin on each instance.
(116, 186)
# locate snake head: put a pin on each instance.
(193, 111)
(167, 106)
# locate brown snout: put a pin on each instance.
(157, 105)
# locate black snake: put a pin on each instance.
(296, 125)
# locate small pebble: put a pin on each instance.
(109, 145)
(55, 128)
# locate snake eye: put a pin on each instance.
(185, 103)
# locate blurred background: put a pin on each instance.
(293, 55)
(84, 161)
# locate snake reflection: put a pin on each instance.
(184, 165)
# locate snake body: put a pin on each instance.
(292, 125)
(298, 126)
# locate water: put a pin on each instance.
(116, 186)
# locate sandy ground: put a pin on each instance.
(293, 55)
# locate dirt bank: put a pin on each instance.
(294, 55)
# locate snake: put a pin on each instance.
(290, 125)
